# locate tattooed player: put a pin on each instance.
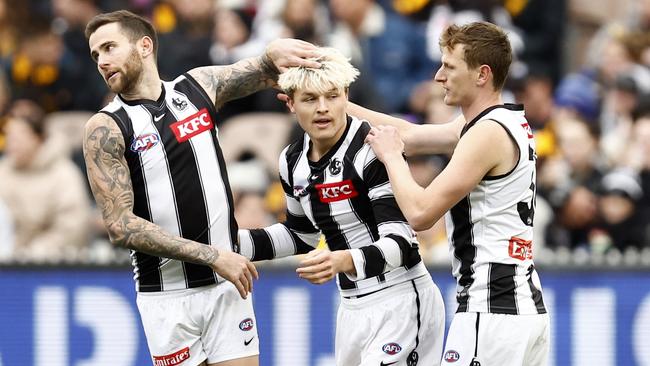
(158, 175)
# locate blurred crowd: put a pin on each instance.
(582, 71)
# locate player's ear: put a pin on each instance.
(484, 72)
(290, 104)
(146, 46)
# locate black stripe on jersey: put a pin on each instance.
(387, 210)
(146, 266)
(293, 154)
(537, 294)
(464, 249)
(263, 245)
(410, 253)
(192, 89)
(301, 224)
(361, 205)
(375, 174)
(502, 297)
(323, 215)
(374, 260)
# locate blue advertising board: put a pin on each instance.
(88, 317)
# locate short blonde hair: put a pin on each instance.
(335, 71)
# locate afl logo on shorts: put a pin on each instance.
(451, 356)
(391, 348)
(246, 324)
(144, 142)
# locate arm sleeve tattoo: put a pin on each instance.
(110, 182)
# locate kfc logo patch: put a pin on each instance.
(520, 249)
(144, 142)
(338, 191)
(192, 125)
(174, 359)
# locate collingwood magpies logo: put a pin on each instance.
(335, 167)
(179, 104)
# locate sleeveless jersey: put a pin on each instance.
(347, 197)
(179, 179)
(490, 231)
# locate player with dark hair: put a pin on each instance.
(159, 178)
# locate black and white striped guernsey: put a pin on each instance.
(490, 231)
(179, 179)
(347, 197)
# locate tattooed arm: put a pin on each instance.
(110, 181)
(224, 83)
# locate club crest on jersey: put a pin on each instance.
(179, 103)
(193, 125)
(339, 191)
(521, 249)
(335, 166)
(175, 358)
(246, 324)
(391, 348)
(144, 142)
(451, 356)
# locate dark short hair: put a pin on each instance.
(132, 24)
(485, 44)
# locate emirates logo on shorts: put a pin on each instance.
(175, 358)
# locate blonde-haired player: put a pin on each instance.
(391, 312)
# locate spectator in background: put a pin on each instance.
(385, 46)
(43, 190)
(187, 39)
(70, 18)
(621, 223)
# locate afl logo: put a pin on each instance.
(335, 167)
(451, 356)
(391, 348)
(246, 324)
(144, 142)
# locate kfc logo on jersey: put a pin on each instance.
(520, 249)
(174, 359)
(338, 191)
(144, 142)
(246, 324)
(192, 125)
(451, 356)
(391, 348)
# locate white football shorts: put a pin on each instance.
(402, 325)
(503, 340)
(187, 327)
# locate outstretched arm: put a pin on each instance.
(110, 181)
(418, 139)
(225, 83)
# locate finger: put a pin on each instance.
(253, 269)
(307, 262)
(249, 278)
(240, 288)
(312, 269)
(244, 280)
(305, 44)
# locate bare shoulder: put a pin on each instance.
(208, 78)
(102, 136)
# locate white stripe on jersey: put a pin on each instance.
(208, 166)
(159, 184)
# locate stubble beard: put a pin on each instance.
(130, 75)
